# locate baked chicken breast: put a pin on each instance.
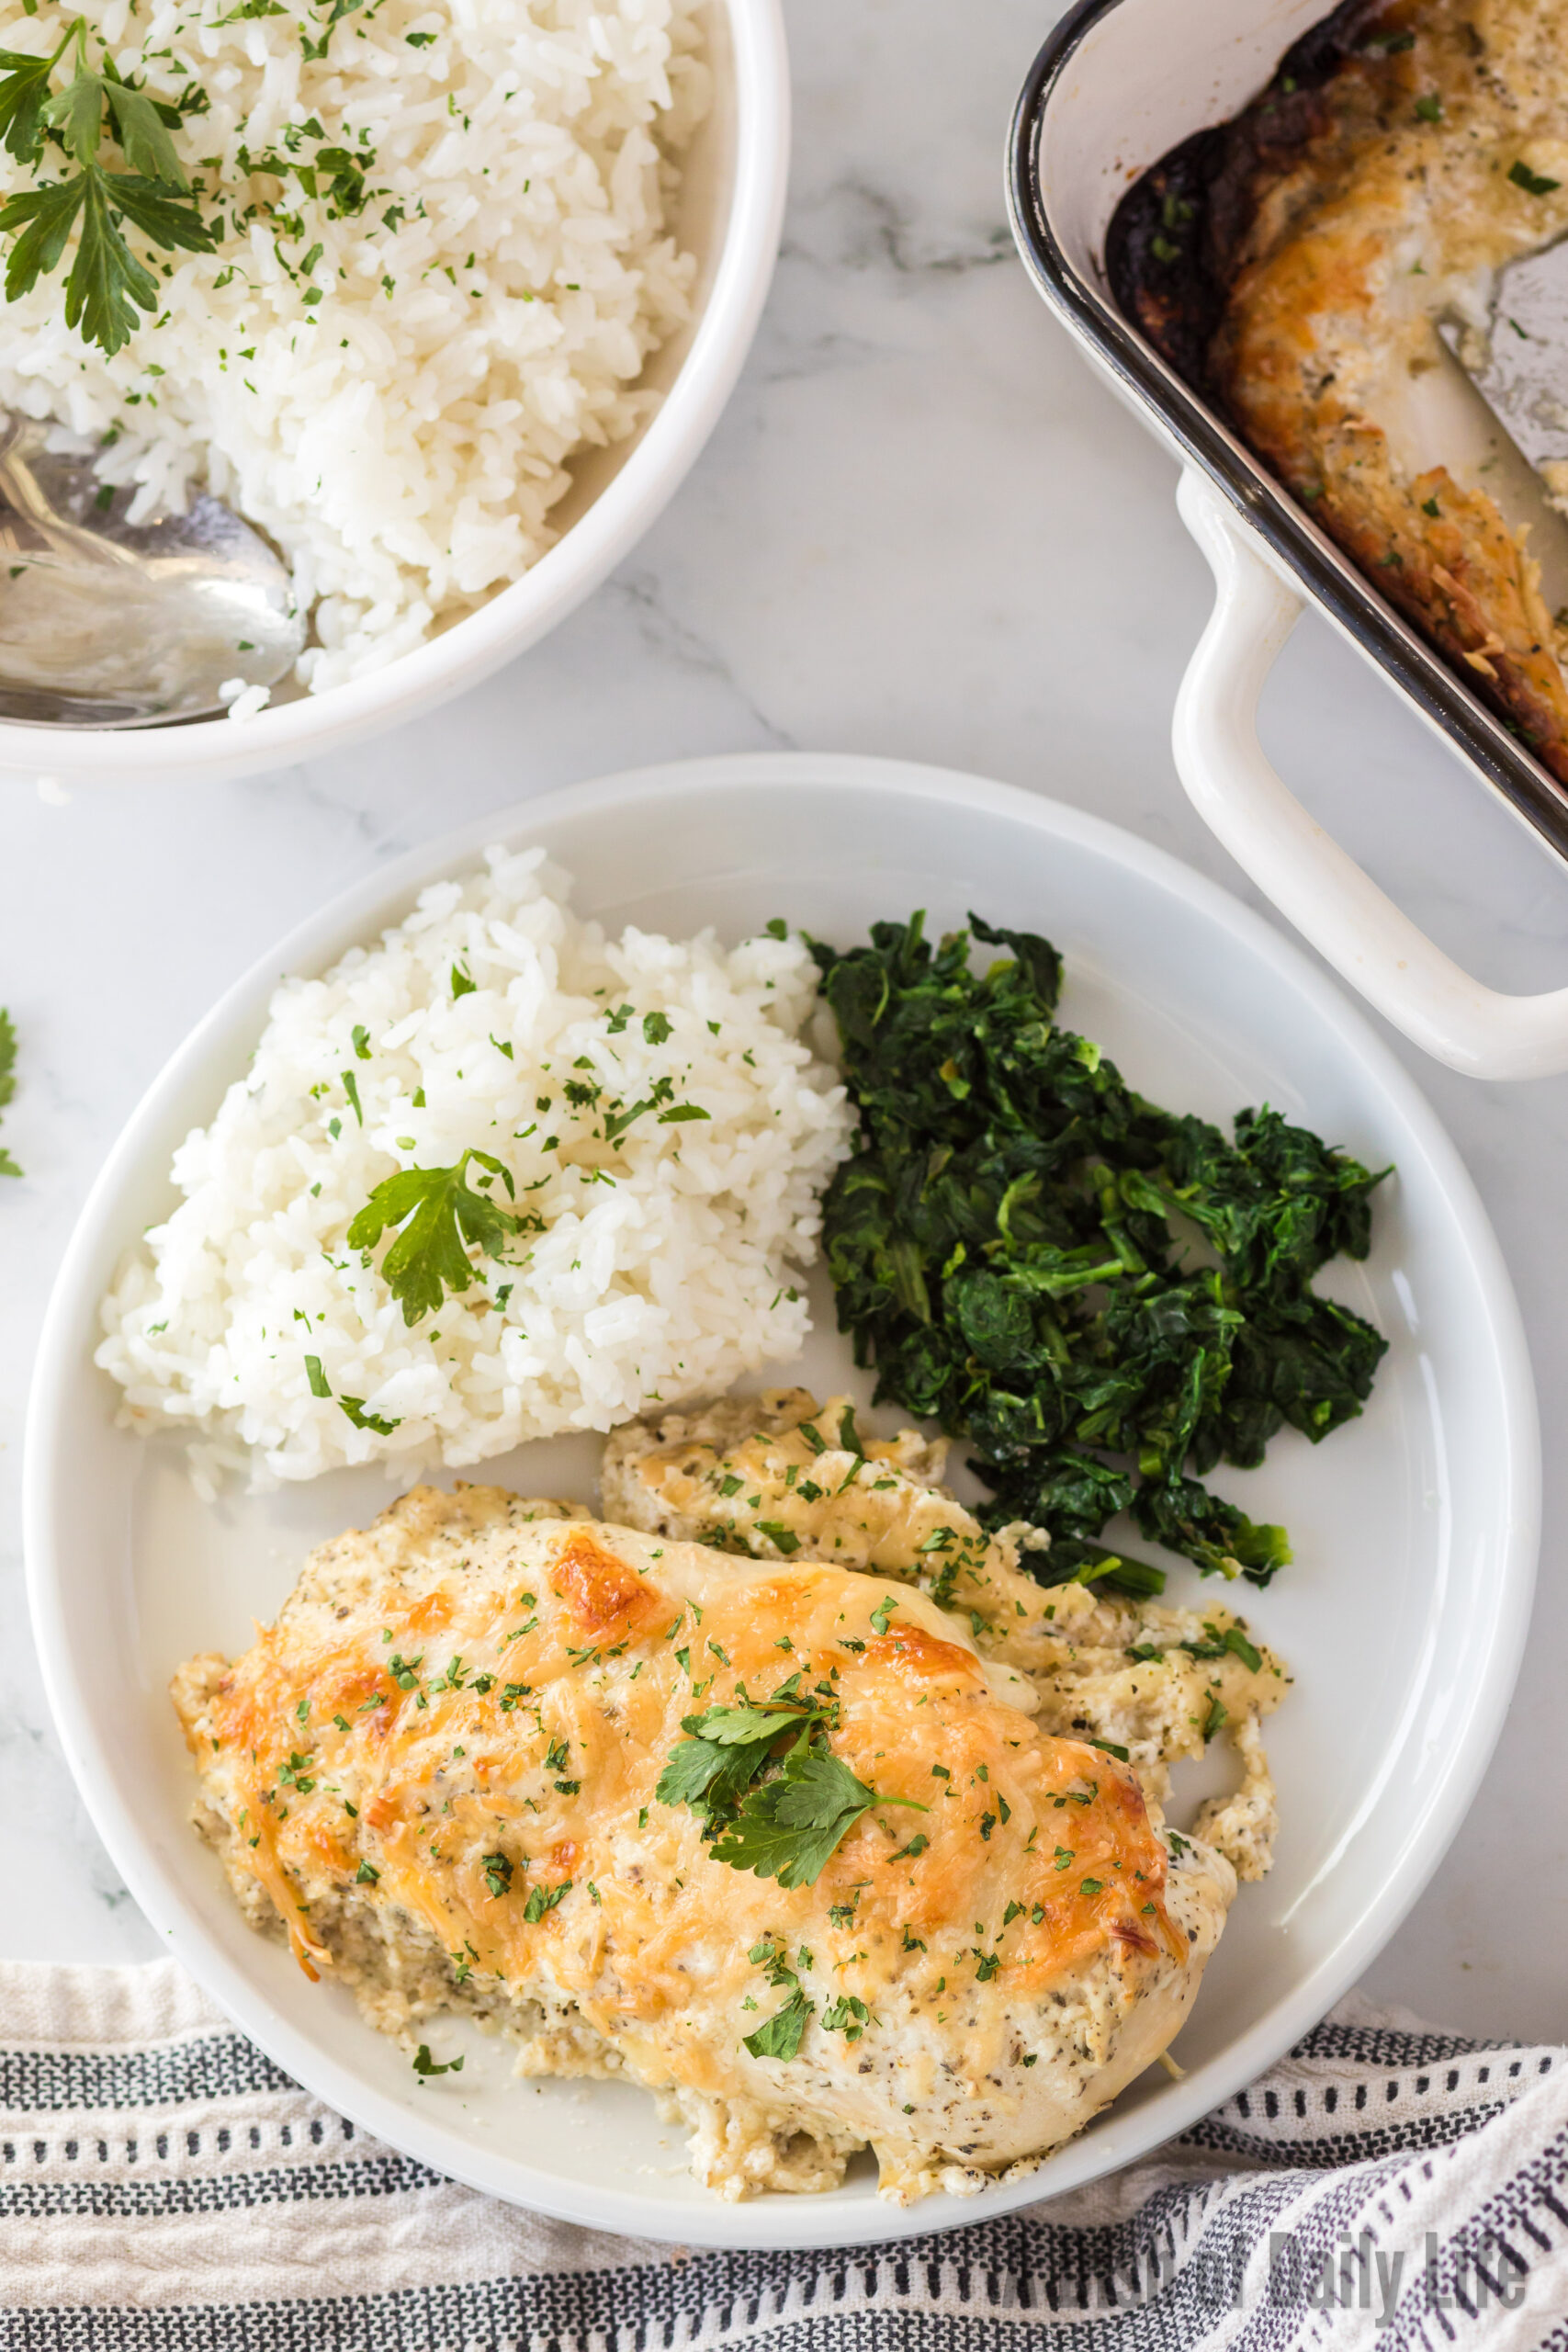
(769, 1837)
(780, 1476)
(1295, 266)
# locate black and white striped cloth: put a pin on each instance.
(165, 2189)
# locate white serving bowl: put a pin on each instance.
(731, 205)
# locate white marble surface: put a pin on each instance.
(921, 529)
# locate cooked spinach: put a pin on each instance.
(1105, 1298)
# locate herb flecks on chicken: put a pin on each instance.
(460, 1774)
(783, 1477)
(1104, 1298)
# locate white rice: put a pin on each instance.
(399, 415)
(667, 1263)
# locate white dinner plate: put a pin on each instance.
(1414, 1528)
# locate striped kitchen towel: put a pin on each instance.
(164, 2187)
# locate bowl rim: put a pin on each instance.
(1456, 1777)
(524, 611)
(1185, 421)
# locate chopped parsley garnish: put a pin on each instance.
(780, 2037)
(1235, 1641)
(367, 1874)
(441, 1217)
(1531, 182)
(107, 285)
(617, 1122)
(1012, 1248)
(354, 1407)
(497, 1870)
(319, 1384)
(542, 1899)
(848, 2016)
(882, 1612)
(423, 2063)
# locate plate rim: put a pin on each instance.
(350, 914)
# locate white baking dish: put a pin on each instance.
(1118, 83)
(730, 209)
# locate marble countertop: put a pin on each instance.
(922, 529)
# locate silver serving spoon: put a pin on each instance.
(1519, 365)
(106, 623)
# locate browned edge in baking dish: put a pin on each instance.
(1325, 576)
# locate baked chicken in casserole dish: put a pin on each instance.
(1295, 264)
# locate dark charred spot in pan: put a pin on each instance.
(1170, 249)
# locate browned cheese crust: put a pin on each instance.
(439, 1774)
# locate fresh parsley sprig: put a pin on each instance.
(442, 1218)
(106, 285)
(790, 1827)
(780, 1815)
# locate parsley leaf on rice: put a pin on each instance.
(442, 1218)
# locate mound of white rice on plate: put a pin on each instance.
(659, 1250)
(442, 262)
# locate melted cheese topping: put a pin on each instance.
(457, 1726)
(777, 1476)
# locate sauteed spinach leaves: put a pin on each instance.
(1105, 1298)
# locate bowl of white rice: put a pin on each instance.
(485, 273)
(645, 1118)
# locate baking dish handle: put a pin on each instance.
(1294, 862)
